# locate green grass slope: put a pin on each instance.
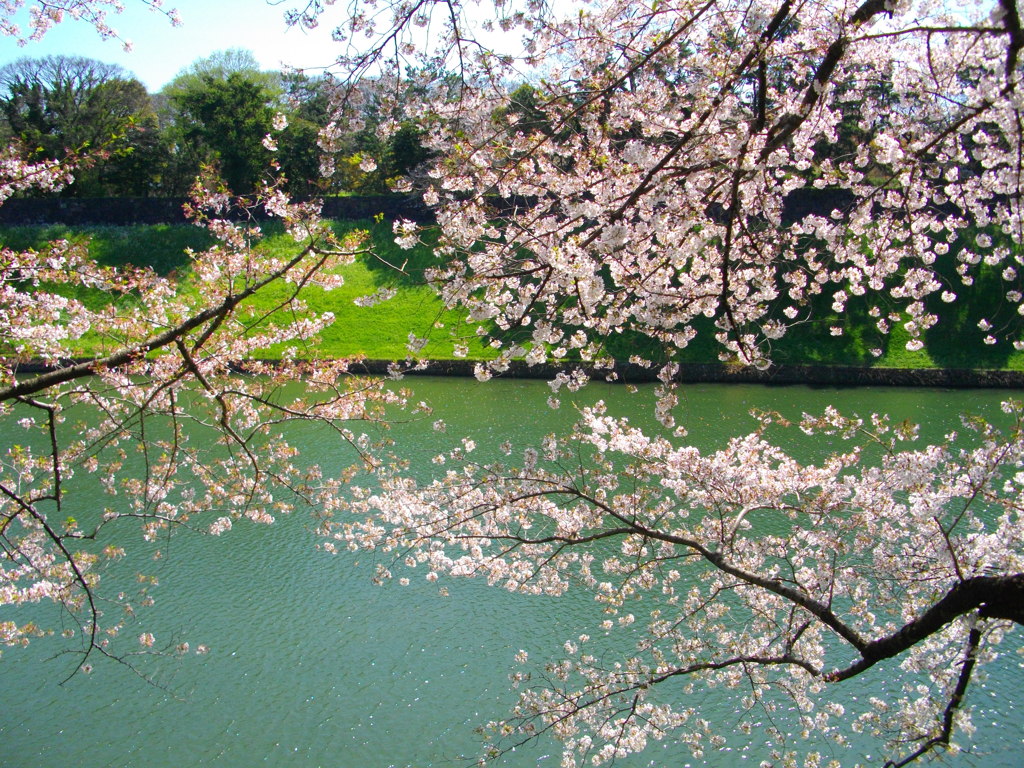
(381, 332)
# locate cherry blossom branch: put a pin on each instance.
(63, 375)
(955, 701)
(787, 124)
(92, 625)
(45, 14)
(56, 494)
(993, 597)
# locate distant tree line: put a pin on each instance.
(219, 111)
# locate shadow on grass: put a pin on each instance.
(161, 247)
(812, 342)
(981, 310)
(807, 343)
(390, 264)
(957, 340)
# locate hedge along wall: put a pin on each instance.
(154, 210)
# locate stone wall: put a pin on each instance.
(152, 210)
(117, 211)
(92, 210)
(813, 375)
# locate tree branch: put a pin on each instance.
(994, 597)
(128, 354)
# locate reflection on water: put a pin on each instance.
(311, 665)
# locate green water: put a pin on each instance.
(310, 665)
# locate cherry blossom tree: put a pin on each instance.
(651, 188)
(42, 15)
(648, 189)
(158, 414)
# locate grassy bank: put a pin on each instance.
(381, 332)
(378, 332)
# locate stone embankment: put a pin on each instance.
(122, 211)
(690, 373)
(813, 375)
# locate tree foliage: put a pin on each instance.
(220, 65)
(640, 184)
(218, 110)
(223, 121)
(58, 105)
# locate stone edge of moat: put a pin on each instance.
(813, 375)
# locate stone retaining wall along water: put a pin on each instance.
(693, 373)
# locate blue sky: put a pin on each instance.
(161, 51)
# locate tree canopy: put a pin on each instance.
(57, 106)
(219, 110)
(224, 121)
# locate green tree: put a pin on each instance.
(196, 134)
(58, 105)
(309, 108)
(405, 150)
(220, 65)
(224, 122)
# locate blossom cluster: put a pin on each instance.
(657, 195)
(741, 568)
(645, 184)
(176, 435)
(44, 15)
